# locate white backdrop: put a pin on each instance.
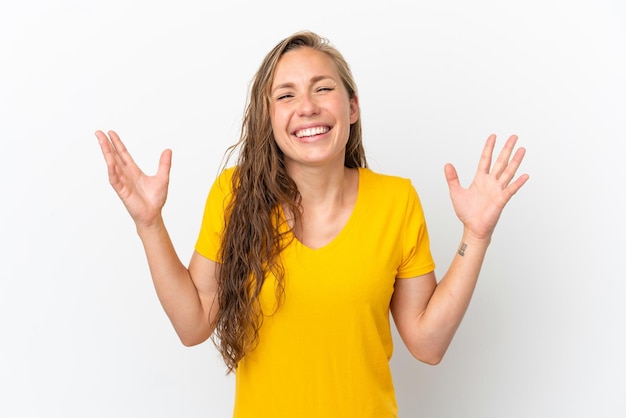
(83, 333)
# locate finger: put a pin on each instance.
(503, 158)
(108, 151)
(452, 177)
(512, 167)
(105, 145)
(516, 185)
(122, 152)
(484, 164)
(165, 164)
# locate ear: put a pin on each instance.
(354, 109)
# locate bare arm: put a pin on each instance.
(428, 314)
(186, 294)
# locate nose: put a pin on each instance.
(307, 105)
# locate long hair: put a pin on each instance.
(253, 240)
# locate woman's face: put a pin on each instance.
(310, 110)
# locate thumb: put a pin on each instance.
(451, 176)
(165, 164)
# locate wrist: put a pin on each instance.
(149, 228)
(472, 242)
(471, 236)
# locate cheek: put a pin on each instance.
(277, 120)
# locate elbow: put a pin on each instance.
(431, 357)
(193, 334)
(192, 340)
(431, 360)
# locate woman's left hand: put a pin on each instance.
(480, 205)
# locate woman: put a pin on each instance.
(304, 251)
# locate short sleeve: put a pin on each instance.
(214, 216)
(416, 258)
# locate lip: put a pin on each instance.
(311, 138)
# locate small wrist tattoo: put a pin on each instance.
(462, 249)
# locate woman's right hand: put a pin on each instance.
(144, 196)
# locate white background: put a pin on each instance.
(83, 334)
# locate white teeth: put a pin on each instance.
(312, 131)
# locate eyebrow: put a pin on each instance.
(313, 81)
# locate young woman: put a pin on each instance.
(304, 251)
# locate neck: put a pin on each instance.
(328, 199)
(322, 186)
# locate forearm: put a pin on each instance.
(449, 302)
(428, 313)
(174, 286)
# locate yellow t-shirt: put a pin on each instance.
(325, 352)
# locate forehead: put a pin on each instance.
(304, 64)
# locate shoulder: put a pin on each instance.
(387, 183)
(226, 175)
(223, 180)
(220, 193)
(388, 192)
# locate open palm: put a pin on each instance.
(144, 196)
(479, 206)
